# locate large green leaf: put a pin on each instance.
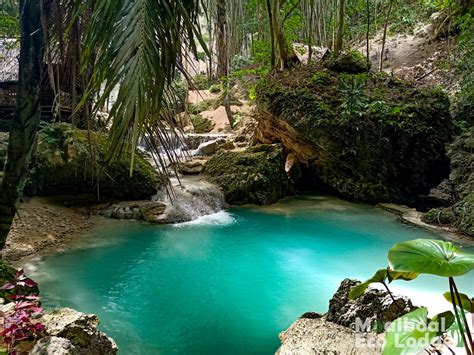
(409, 334)
(466, 303)
(429, 256)
(381, 276)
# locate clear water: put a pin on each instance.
(230, 282)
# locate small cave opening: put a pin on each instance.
(306, 181)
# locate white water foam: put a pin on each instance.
(221, 218)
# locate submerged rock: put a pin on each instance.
(256, 175)
(62, 164)
(365, 136)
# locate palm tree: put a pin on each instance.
(132, 45)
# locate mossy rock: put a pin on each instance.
(439, 216)
(62, 164)
(202, 124)
(254, 176)
(348, 62)
(368, 136)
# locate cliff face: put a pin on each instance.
(365, 136)
(459, 187)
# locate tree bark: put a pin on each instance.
(367, 35)
(25, 125)
(340, 28)
(384, 38)
(272, 34)
(279, 35)
(221, 28)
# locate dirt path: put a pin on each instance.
(219, 115)
(46, 226)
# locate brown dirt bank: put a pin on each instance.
(48, 225)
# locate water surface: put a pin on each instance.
(230, 282)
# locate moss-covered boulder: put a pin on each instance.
(256, 175)
(62, 164)
(348, 62)
(367, 136)
(461, 212)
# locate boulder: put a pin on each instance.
(366, 136)
(337, 331)
(79, 328)
(374, 305)
(137, 210)
(318, 336)
(256, 175)
(62, 164)
(51, 345)
(192, 167)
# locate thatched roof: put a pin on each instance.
(9, 54)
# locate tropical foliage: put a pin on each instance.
(414, 331)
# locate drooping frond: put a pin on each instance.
(136, 46)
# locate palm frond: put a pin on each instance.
(135, 46)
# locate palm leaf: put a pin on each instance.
(136, 46)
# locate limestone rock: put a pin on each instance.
(192, 167)
(373, 305)
(369, 153)
(137, 210)
(318, 336)
(80, 329)
(256, 175)
(52, 345)
(61, 164)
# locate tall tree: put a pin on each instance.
(384, 37)
(25, 124)
(221, 39)
(340, 27)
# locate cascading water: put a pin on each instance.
(189, 197)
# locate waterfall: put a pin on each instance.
(192, 199)
(189, 198)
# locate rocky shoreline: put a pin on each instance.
(45, 226)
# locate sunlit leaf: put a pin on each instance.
(466, 303)
(429, 256)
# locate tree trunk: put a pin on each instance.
(385, 34)
(25, 125)
(340, 28)
(279, 35)
(272, 34)
(367, 34)
(221, 28)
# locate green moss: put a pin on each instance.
(350, 61)
(62, 164)
(202, 124)
(215, 89)
(255, 175)
(201, 106)
(379, 140)
(439, 216)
